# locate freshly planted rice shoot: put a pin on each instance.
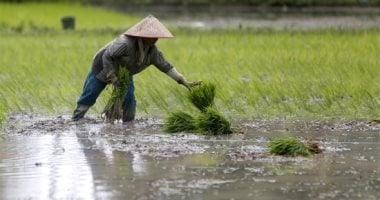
(291, 146)
(212, 122)
(114, 107)
(202, 96)
(179, 122)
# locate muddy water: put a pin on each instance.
(279, 22)
(246, 17)
(53, 158)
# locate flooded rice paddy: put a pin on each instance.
(279, 22)
(55, 158)
(280, 18)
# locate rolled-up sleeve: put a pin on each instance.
(159, 61)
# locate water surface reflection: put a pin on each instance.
(93, 160)
(44, 167)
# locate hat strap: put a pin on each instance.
(141, 51)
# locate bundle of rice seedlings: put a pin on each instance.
(114, 107)
(202, 96)
(212, 122)
(179, 122)
(289, 146)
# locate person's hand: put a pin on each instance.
(115, 81)
(189, 85)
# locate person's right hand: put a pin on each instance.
(189, 85)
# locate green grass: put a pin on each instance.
(258, 73)
(2, 113)
(23, 17)
(328, 73)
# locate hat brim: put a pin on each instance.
(149, 27)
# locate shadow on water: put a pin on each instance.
(54, 158)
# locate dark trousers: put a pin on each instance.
(91, 91)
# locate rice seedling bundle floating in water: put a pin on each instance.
(212, 122)
(291, 146)
(179, 122)
(114, 107)
(202, 96)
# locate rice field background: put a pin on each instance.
(258, 73)
(46, 16)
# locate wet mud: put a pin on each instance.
(60, 158)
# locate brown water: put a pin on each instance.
(53, 158)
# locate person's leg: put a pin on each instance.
(129, 104)
(91, 91)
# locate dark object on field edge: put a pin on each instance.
(68, 22)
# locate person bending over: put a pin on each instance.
(135, 50)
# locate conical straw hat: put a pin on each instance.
(149, 27)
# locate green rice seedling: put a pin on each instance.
(212, 122)
(202, 96)
(290, 146)
(179, 122)
(2, 113)
(283, 73)
(114, 108)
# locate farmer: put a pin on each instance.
(134, 50)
